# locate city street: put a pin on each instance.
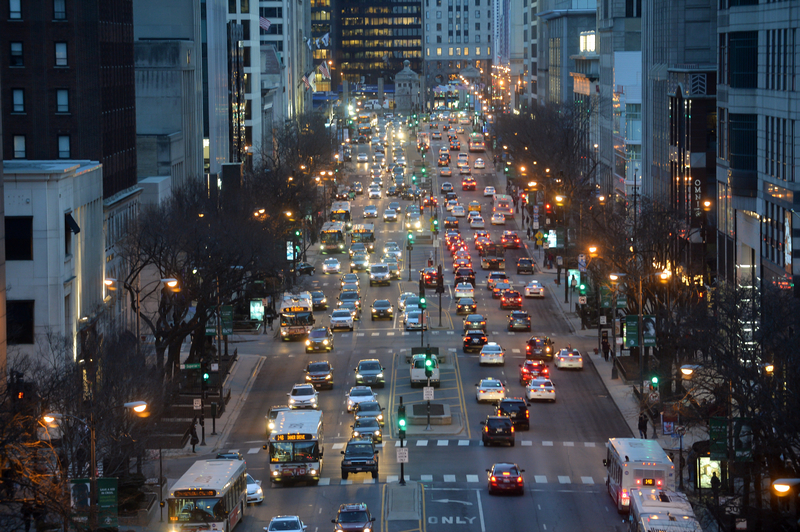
(561, 454)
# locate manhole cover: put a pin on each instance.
(422, 410)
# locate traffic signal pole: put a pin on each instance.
(401, 420)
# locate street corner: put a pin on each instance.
(443, 508)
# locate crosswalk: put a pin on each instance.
(458, 479)
(338, 446)
(400, 332)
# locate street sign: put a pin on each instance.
(402, 455)
(536, 225)
(227, 319)
(536, 210)
(602, 320)
(214, 366)
(198, 404)
(190, 366)
(427, 393)
(582, 300)
(582, 262)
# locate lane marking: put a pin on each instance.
(587, 480)
(547, 444)
(563, 479)
(540, 479)
(472, 478)
(449, 478)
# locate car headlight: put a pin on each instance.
(379, 375)
(308, 342)
(324, 342)
(259, 491)
(380, 416)
(359, 376)
(327, 377)
(350, 402)
(313, 399)
(271, 425)
(377, 433)
(355, 433)
(291, 401)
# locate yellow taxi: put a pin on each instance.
(474, 206)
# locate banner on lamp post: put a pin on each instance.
(631, 331)
(649, 331)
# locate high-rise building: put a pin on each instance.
(216, 102)
(560, 25)
(757, 191)
(458, 42)
(528, 75)
(3, 332)
(372, 39)
(68, 68)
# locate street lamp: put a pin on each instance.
(136, 406)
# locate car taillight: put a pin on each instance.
(527, 414)
(494, 479)
(512, 428)
(519, 480)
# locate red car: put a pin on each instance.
(506, 477)
(511, 299)
(532, 369)
(510, 240)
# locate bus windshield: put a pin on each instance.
(363, 236)
(331, 237)
(289, 319)
(297, 451)
(185, 510)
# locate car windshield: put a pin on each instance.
(512, 406)
(318, 333)
(502, 469)
(367, 424)
(490, 384)
(359, 450)
(381, 304)
(340, 314)
(318, 294)
(380, 269)
(302, 391)
(361, 393)
(331, 262)
(318, 366)
(351, 296)
(284, 524)
(369, 407)
(369, 366)
(353, 517)
(498, 423)
(542, 382)
(413, 315)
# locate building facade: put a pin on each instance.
(560, 25)
(458, 34)
(216, 125)
(55, 256)
(372, 39)
(528, 80)
(757, 153)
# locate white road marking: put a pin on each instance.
(449, 478)
(422, 443)
(516, 351)
(369, 481)
(372, 351)
(375, 334)
(569, 444)
(389, 334)
(563, 479)
(472, 478)
(254, 450)
(426, 478)
(527, 443)
(392, 478)
(451, 332)
(442, 443)
(325, 481)
(346, 482)
(547, 444)
(360, 334)
(540, 479)
(588, 444)
(463, 443)
(338, 446)
(587, 480)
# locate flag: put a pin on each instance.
(324, 69)
(326, 39)
(308, 42)
(264, 23)
(305, 80)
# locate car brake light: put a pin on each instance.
(494, 479)
(519, 479)
(527, 414)
(512, 428)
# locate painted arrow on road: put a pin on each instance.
(466, 503)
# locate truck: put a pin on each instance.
(492, 257)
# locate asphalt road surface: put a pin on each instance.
(562, 452)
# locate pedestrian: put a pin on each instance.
(643, 426)
(715, 485)
(530, 233)
(195, 440)
(606, 350)
(270, 318)
(573, 282)
(27, 512)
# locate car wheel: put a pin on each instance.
(373, 318)
(344, 475)
(351, 328)
(512, 443)
(374, 474)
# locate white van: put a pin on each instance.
(418, 371)
(633, 464)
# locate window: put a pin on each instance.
(16, 54)
(477, 26)
(438, 51)
(14, 9)
(438, 14)
(19, 147)
(231, 6)
(18, 101)
(19, 237)
(245, 6)
(61, 54)
(19, 315)
(458, 50)
(438, 27)
(428, 52)
(60, 9)
(427, 39)
(743, 141)
(62, 101)
(274, 12)
(477, 14)
(70, 227)
(245, 30)
(63, 146)
(477, 38)
(438, 39)
(466, 51)
(450, 51)
(743, 59)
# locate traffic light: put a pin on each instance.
(654, 383)
(413, 178)
(428, 364)
(423, 303)
(423, 168)
(401, 421)
(205, 374)
(582, 289)
(297, 233)
(548, 209)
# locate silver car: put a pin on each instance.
(370, 211)
(391, 248)
(303, 396)
(390, 215)
(401, 301)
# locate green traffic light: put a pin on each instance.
(429, 362)
(402, 423)
(205, 376)
(654, 380)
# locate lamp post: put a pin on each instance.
(136, 406)
(784, 487)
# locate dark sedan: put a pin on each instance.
(382, 309)
(319, 339)
(305, 268)
(466, 305)
(519, 321)
(474, 340)
(320, 373)
(318, 300)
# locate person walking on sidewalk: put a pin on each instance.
(643, 426)
(573, 283)
(195, 440)
(530, 233)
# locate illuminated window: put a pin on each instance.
(438, 51)
(466, 51)
(428, 51)
(451, 51)
(458, 50)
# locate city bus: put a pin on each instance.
(654, 510)
(364, 126)
(296, 314)
(211, 495)
(365, 234)
(423, 141)
(340, 212)
(476, 142)
(331, 237)
(632, 464)
(504, 204)
(295, 446)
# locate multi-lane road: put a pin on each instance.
(562, 452)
